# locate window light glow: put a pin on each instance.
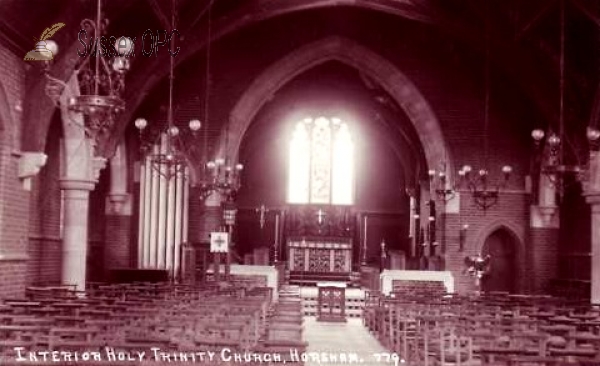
(299, 166)
(321, 163)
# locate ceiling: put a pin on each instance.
(522, 36)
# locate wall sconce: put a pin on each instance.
(439, 183)
(485, 194)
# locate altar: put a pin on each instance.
(319, 258)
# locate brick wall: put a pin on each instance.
(536, 253)
(45, 241)
(14, 210)
(545, 253)
(196, 232)
(511, 213)
(118, 245)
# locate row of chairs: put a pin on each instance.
(239, 316)
(494, 329)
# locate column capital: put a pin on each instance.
(118, 204)
(544, 217)
(592, 198)
(77, 184)
(30, 163)
(98, 163)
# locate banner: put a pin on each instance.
(219, 242)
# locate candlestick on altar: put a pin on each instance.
(275, 252)
(320, 216)
(364, 251)
(412, 231)
(383, 256)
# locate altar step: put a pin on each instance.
(311, 279)
(355, 301)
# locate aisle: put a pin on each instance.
(350, 339)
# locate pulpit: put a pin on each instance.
(320, 258)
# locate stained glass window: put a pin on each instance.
(321, 163)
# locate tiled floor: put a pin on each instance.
(350, 339)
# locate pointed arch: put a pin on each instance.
(350, 53)
(517, 233)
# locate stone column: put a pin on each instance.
(594, 200)
(75, 235)
(541, 255)
(79, 175)
(592, 195)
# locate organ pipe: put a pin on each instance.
(163, 215)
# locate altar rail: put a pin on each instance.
(396, 280)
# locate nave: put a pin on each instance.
(241, 322)
(416, 177)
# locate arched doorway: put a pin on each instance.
(500, 245)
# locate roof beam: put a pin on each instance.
(14, 40)
(159, 13)
(585, 9)
(537, 16)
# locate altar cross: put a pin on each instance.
(320, 215)
(263, 210)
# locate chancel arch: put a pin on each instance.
(348, 52)
(386, 162)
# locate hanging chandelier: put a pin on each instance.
(485, 194)
(166, 148)
(551, 146)
(219, 175)
(101, 77)
(222, 178)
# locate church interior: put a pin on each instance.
(303, 181)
